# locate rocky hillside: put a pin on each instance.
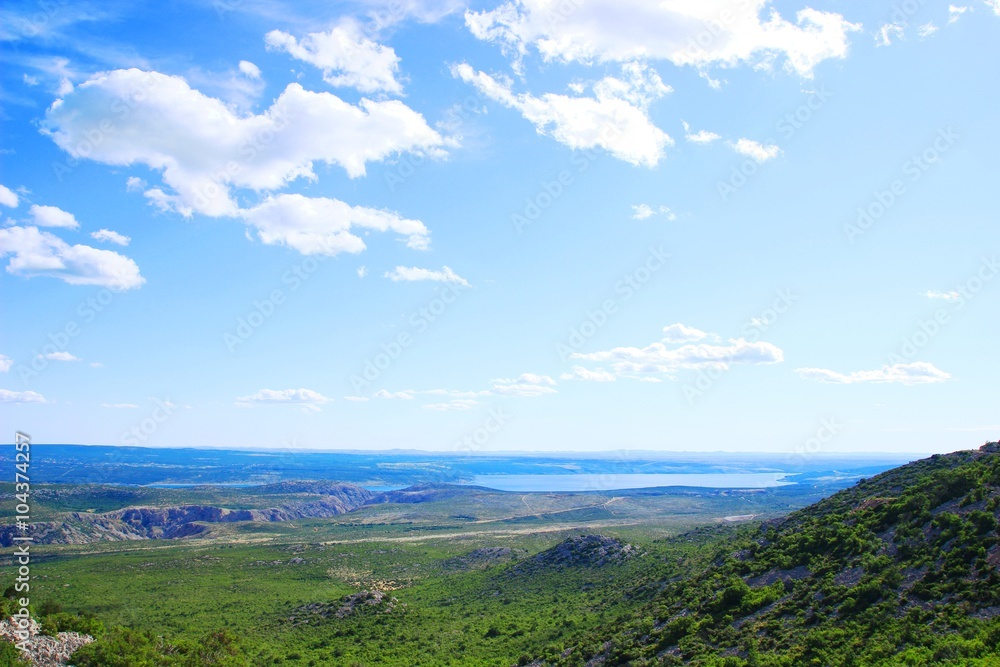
(316, 500)
(902, 569)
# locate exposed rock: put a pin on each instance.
(168, 523)
(42, 650)
(343, 608)
(584, 551)
(485, 557)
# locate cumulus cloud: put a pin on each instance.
(309, 400)
(402, 395)
(249, 70)
(656, 360)
(8, 197)
(59, 356)
(642, 211)
(645, 211)
(323, 226)
(203, 150)
(889, 32)
(38, 253)
(110, 237)
(927, 29)
(945, 296)
(684, 32)
(52, 216)
(525, 385)
(955, 13)
(587, 375)
(345, 55)
(907, 374)
(614, 118)
(680, 333)
(409, 274)
(699, 137)
(458, 404)
(756, 151)
(7, 396)
(5, 363)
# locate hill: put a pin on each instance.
(902, 569)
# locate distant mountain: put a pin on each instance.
(901, 569)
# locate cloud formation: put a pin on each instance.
(699, 33)
(908, 374)
(614, 118)
(38, 253)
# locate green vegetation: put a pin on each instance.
(901, 569)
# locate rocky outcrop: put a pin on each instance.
(346, 606)
(169, 523)
(43, 650)
(590, 551)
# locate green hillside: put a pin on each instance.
(902, 569)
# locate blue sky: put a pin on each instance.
(587, 225)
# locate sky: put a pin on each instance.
(526, 225)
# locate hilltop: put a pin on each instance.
(902, 569)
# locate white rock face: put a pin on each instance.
(44, 651)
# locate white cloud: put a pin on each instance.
(59, 356)
(641, 212)
(401, 395)
(587, 375)
(52, 216)
(38, 253)
(657, 359)
(5, 363)
(7, 396)
(345, 55)
(322, 226)
(955, 13)
(645, 211)
(680, 333)
(308, 399)
(204, 150)
(994, 5)
(457, 404)
(946, 296)
(362, 271)
(249, 69)
(615, 118)
(96, 364)
(908, 374)
(685, 32)
(927, 29)
(110, 237)
(526, 385)
(408, 274)
(702, 137)
(120, 406)
(7, 197)
(756, 151)
(134, 184)
(356, 399)
(888, 32)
